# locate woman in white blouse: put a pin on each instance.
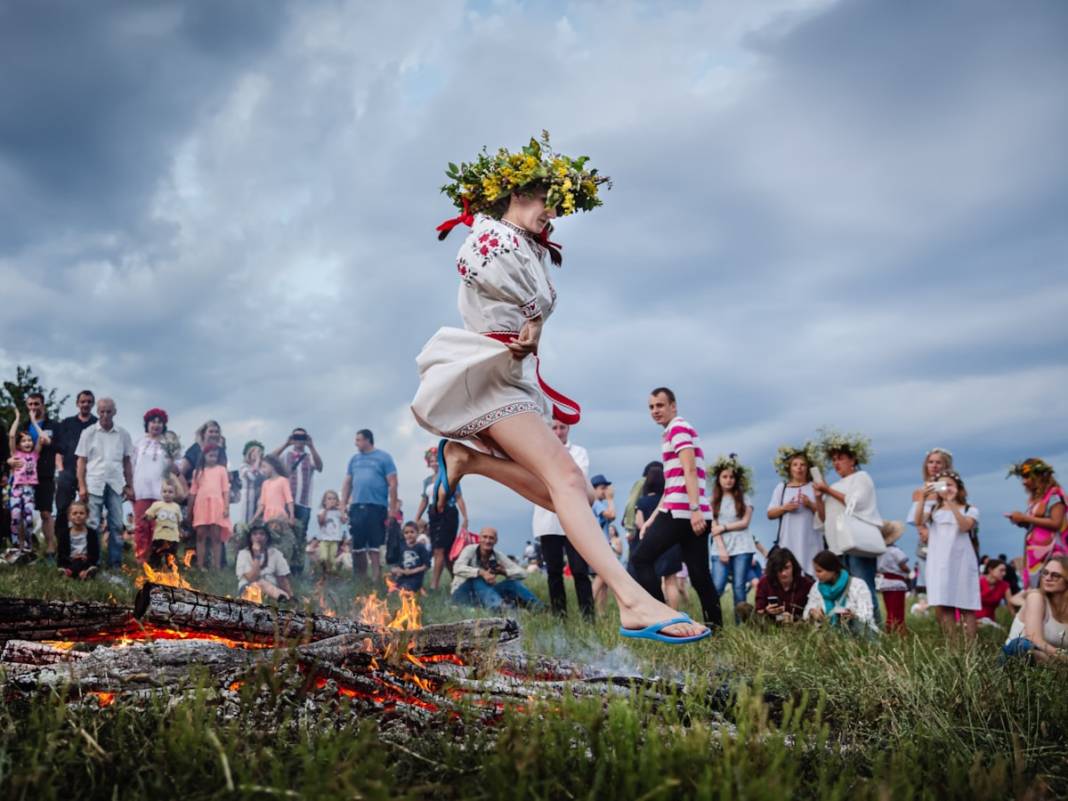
(839, 597)
(854, 488)
(149, 465)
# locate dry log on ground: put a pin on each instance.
(236, 619)
(34, 619)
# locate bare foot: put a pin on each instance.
(650, 611)
(457, 457)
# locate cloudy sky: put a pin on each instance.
(846, 213)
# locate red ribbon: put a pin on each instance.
(464, 218)
(565, 410)
(554, 248)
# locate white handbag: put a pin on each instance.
(858, 536)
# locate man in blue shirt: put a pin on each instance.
(369, 494)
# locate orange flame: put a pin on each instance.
(375, 611)
(252, 592)
(409, 616)
(168, 576)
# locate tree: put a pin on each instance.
(13, 394)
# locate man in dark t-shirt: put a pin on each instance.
(65, 463)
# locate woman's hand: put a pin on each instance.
(774, 609)
(820, 487)
(845, 614)
(527, 342)
(923, 533)
(816, 615)
(1017, 518)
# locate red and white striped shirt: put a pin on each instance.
(679, 435)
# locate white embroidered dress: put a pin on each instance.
(468, 381)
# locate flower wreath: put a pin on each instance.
(856, 445)
(1030, 467)
(743, 474)
(810, 451)
(477, 185)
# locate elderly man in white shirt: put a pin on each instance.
(105, 474)
(554, 544)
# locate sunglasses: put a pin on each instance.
(1051, 574)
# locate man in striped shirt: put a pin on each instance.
(301, 460)
(683, 516)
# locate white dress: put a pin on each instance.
(797, 529)
(952, 567)
(467, 380)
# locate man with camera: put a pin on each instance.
(301, 460)
(483, 576)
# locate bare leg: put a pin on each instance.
(533, 447)
(460, 461)
(600, 594)
(202, 546)
(971, 626)
(48, 526)
(671, 591)
(216, 547)
(439, 565)
(372, 560)
(359, 559)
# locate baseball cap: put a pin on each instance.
(600, 481)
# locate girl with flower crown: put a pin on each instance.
(796, 505)
(935, 461)
(1047, 528)
(481, 388)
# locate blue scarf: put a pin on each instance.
(833, 592)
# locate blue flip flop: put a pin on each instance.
(443, 477)
(653, 632)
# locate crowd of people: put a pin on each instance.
(832, 558)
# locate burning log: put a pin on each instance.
(33, 619)
(236, 619)
(140, 667)
(24, 652)
(446, 638)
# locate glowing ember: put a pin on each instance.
(253, 593)
(63, 645)
(168, 576)
(103, 698)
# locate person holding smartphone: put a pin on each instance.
(301, 461)
(783, 590)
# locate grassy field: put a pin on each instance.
(897, 718)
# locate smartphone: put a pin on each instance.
(817, 476)
(773, 600)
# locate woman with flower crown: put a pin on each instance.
(1044, 520)
(481, 387)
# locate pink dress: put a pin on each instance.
(274, 495)
(211, 486)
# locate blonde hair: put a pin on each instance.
(322, 503)
(947, 457)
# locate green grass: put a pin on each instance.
(895, 718)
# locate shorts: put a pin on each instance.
(443, 529)
(669, 562)
(367, 526)
(328, 551)
(44, 494)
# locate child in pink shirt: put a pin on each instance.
(209, 498)
(276, 497)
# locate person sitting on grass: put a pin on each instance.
(839, 597)
(166, 515)
(78, 551)
(993, 589)
(260, 565)
(414, 561)
(1040, 630)
(783, 590)
(483, 576)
